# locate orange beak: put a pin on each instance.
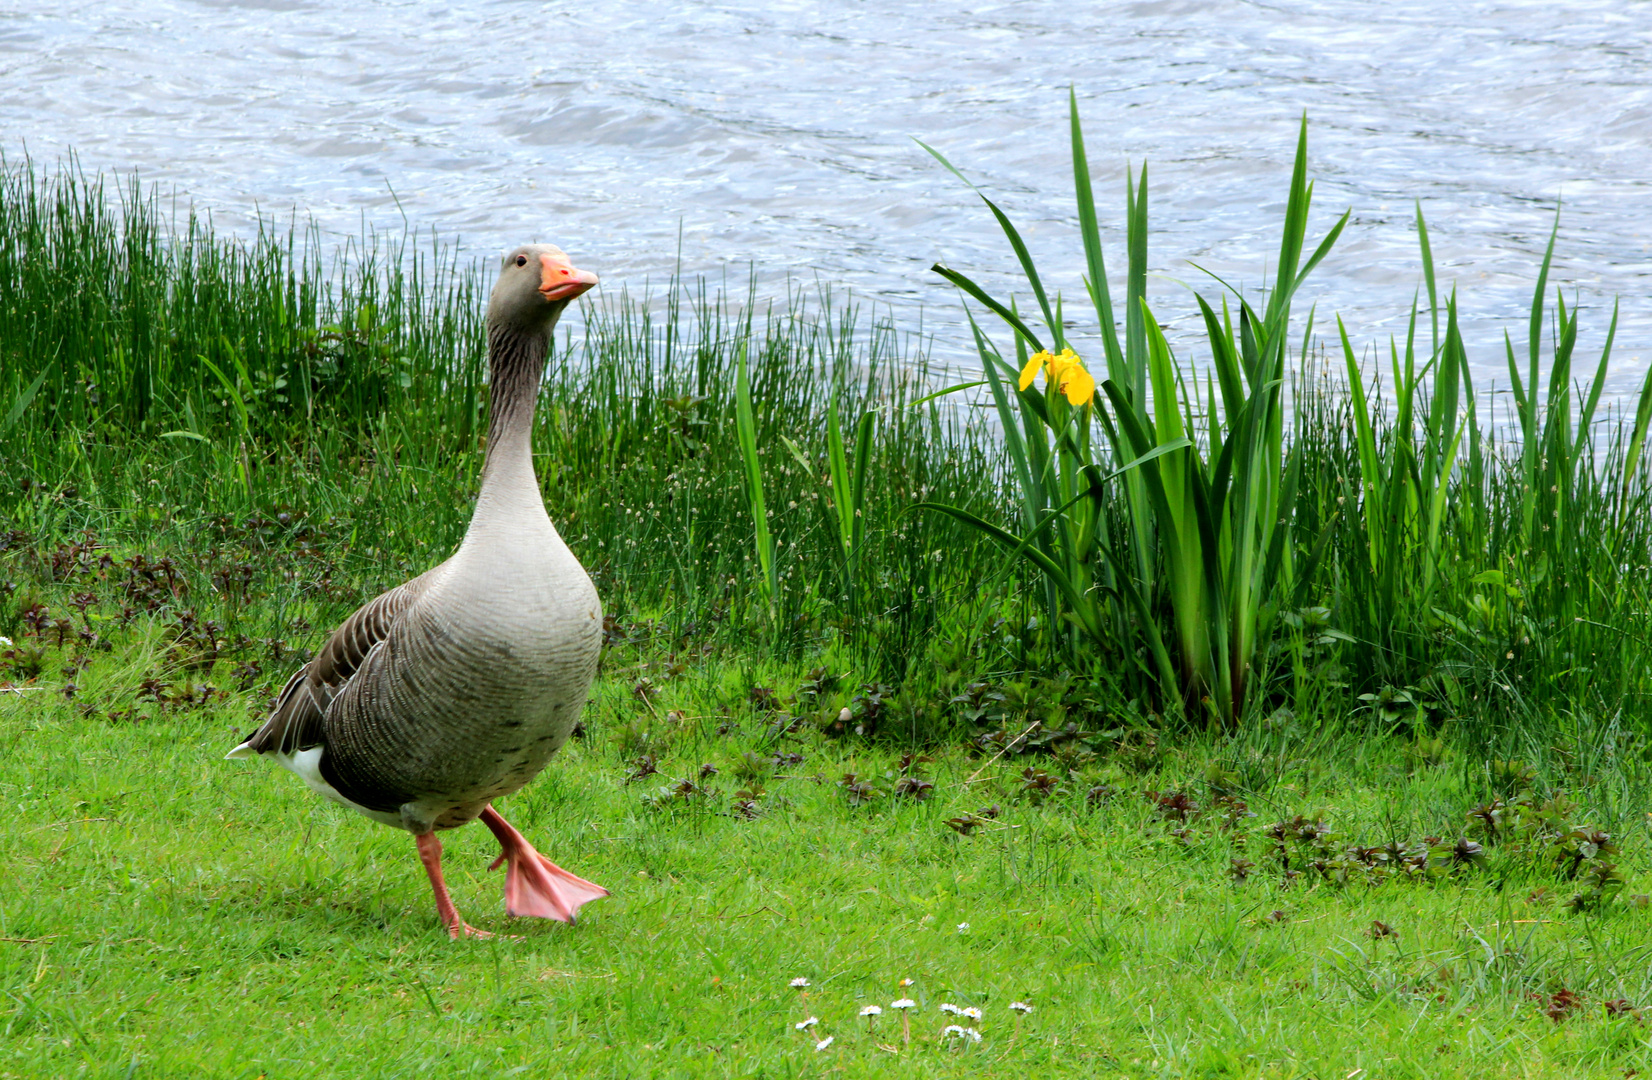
(558, 280)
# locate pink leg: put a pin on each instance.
(534, 885)
(430, 853)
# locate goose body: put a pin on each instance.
(455, 688)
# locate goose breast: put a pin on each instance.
(474, 688)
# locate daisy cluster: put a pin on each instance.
(956, 1035)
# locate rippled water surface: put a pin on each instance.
(779, 135)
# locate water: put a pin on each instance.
(779, 136)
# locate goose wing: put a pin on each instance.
(295, 722)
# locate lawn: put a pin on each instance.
(169, 913)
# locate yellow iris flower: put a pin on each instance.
(1065, 370)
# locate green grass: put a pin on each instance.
(212, 451)
(156, 378)
(167, 913)
(170, 913)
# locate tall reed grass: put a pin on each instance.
(156, 377)
(1183, 529)
(1261, 534)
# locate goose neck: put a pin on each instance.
(516, 366)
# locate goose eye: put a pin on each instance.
(521, 260)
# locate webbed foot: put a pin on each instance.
(534, 885)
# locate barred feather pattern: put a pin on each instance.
(296, 721)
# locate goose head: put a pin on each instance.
(536, 281)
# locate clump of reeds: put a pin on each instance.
(1252, 546)
(1222, 543)
(148, 364)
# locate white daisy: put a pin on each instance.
(871, 1010)
(963, 928)
(972, 1012)
(948, 1007)
(903, 1003)
(1021, 1006)
(828, 1040)
(807, 1024)
(799, 983)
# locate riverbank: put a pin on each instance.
(1417, 846)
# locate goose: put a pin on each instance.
(455, 688)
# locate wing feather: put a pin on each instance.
(295, 722)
